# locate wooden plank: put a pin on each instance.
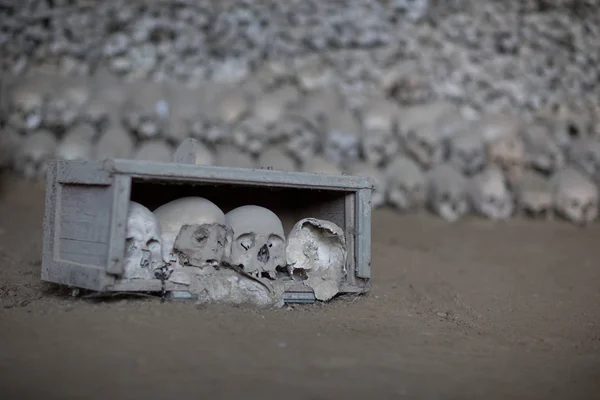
(49, 220)
(75, 275)
(81, 252)
(241, 176)
(118, 224)
(144, 285)
(363, 233)
(82, 172)
(350, 232)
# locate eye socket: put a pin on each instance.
(445, 197)
(246, 241)
(275, 241)
(575, 203)
(201, 238)
(153, 244)
(490, 199)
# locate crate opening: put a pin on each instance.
(290, 204)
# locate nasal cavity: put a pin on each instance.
(263, 254)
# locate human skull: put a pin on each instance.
(467, 152)
(490, 195)
(75, 146)
(11, 142)
(342, 139)
(114, 143)
(229, 156)
(191, 151)
(314, 73)
(143, 243)
(27, 108)
(448, 192)
(575, 196)
(542, 152)
(205, 225)
(316, 254)
(407, 186)
(377, 175)
(569, 125)
(585, 155)
(37, 149)
(379, 142)
(251, 135)
(277, 159)
(146, 111)
(406, 84)
(258, 240)
(508, 153)
(154, 150)
(64, 107)
(534, 195)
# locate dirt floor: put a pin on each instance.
(467, 311)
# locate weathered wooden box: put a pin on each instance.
(87, 205)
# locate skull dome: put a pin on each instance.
(143, 243)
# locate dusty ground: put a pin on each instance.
(467, 311)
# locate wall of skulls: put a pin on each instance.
(458, 106)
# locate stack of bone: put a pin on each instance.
(490, 107)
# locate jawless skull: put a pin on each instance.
(406, 183)
(490, 195)
(467, 152)
(534, 196)
(258, 244)
(203, 216)
(575, 196)
(585, 154)
(448, 192)
(379, 142)
(143, 243)
(316, 255)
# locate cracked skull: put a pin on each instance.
(489, 194)
(316, 255)
(575, 196)
(203, 243)
(258, 244)
(142, 243)
(448, 192)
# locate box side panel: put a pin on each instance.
(363, 233)
(350, 231)
(49, 222)
(118, 225)
(84, 216)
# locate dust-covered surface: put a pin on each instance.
(471, 310)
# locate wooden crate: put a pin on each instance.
(87, 205)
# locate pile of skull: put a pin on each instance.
(239, 257)
(418, 155)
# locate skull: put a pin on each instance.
(425, 143)
(575, 196)
(277, 159)
(11, 142)
(258, 240)
(489, 194)
(467, 152)
(203, 243)
(64, 107)
(407, 188)
(379, 124)
(75, 146)
(448, 192)
(534, 195)
(541, 150)
(314, 74)
(585, 155)
(114, 143)
(367, 170)
(143, 243)
(146, 111)
(316, 254)
(28, 108)
(154, 150)
(229, 156)
(508, 153)
(251, 135)
(191, 151)
(37, 149)
(342, 139)
(569, 126)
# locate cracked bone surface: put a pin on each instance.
(143, 243)
(37, 149)
(199, 213)
(575, 196)
(406, 184)
(534, 195)
(258, 244)
(448, 192)
(316, 256)
(489, 194)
